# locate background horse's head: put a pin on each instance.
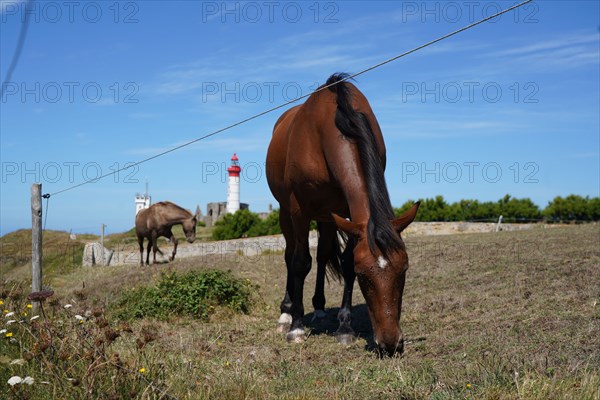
(381, 276)
(189, 228)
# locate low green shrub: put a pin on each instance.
(194, 294)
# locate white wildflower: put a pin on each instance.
(68, 305)
(12, 321)
(14, 380)
(10, 314)
(18, 361)
(34, 317)
(2, 331)
(28, 380)
(79, 317)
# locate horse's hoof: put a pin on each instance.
(296, 336)
(284, 322)
(317, 315)
(345, 339)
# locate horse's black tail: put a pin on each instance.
(356, 126)
(334, 263)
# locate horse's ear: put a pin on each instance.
(405, 219)
(348, 227)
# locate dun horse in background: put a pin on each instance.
(326, 162)
(157, 220)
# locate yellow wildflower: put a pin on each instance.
(1, 302)
(29, 306)
(9, 334)
(142, 370)
(468, 386)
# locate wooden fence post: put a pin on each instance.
(36, 240)
(102, 245)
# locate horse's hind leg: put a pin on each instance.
(301, 264)
(327, 234)
(148, 249)
(154, 247)
(285, 319)
(141, 243)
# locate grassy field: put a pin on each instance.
(507, 315)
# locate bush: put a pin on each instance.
(194, 294)
(234, 226)
(264, 227)
(245, 223)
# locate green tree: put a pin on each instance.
(234, 226)
(268, 226)
(518, 209)
(573, 208)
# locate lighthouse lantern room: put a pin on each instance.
(233, 187)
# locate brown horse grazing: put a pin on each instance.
(157, 220)
(326, 162)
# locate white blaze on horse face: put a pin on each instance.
(382, 262)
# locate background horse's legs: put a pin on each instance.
(148, 248)
(154, 246)
(285, 319)
(301, 264)
(345, 333)
(173, 239)
(141, 243)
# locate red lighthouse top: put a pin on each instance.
(234, 169)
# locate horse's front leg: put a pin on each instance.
(345, 333)
(173, 239)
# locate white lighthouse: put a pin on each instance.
(233, 186)
(142, 201)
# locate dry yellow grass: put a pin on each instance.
(508, 315)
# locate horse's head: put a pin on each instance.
(189, 228)
(381, 281)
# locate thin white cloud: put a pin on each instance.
(568, 51)
(248, 144)
(427, 129)
(552, 44)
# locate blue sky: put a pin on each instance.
(506, 107)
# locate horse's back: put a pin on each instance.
(310, 162)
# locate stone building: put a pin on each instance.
(216, 211)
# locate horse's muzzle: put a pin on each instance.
(391, 351)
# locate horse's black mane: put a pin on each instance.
(355, 125)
